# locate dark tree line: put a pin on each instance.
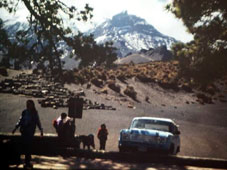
(47, 29)
(90, 53)
(204, 58)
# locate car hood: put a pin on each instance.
(147, 132)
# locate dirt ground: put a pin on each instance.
(203, 127)
(46, 162)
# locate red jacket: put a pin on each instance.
(102, 134)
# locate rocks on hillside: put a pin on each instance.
(51, 93)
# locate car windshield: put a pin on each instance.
(152, 125)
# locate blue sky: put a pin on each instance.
(153, 11)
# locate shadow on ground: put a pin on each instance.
(58, 162)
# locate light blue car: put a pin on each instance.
(150, 134)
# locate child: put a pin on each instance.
(102, 136)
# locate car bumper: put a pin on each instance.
(143, 147)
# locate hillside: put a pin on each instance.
(133, 90)
(164, 75)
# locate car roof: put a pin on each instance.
(154, 118)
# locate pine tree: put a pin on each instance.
(47, 24)
(205, 58)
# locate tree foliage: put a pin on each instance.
(205, 57)
(4, 43)
(90, 53)
(4, 40)
(16, 50)
(48, 26)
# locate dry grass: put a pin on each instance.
(148, 72)
(165, 74)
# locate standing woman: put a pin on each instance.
(27, 123)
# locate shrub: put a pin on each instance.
(130, 91)
(115, 87)
(68, 77)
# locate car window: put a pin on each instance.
(151, 124)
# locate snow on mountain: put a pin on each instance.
(130, 33)
(13, 27)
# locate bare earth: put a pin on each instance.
(203, 127)
(45, 162)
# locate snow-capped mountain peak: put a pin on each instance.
(130, 33)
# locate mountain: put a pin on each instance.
(130, 34)
(13, 26)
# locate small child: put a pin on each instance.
(102, 136)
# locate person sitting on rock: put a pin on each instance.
(65, 128)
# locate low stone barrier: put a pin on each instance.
(50, 145)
